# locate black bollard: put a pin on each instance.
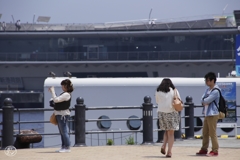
(80, 116)
(178, 133)
(147, 121)
(7, 129)
(189, 120)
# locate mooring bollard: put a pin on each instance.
(80, 116)
(189, 120)
(7, 119)
(147, 120)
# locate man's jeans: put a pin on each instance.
(210, 129)
(63, 129)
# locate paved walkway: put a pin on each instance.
(183, 150)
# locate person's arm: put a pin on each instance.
(63, 97)
(204, 104)
(212, 96)
(156, 97)
(204, 96)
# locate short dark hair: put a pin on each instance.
(211, 76)
(68, 84)
(165, 85)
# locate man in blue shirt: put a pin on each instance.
(211, 113)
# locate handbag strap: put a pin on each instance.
(175, 93)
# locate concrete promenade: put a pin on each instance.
(183, 150)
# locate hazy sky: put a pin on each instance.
(100, 11)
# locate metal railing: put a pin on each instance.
(80, 121)
(118, 56)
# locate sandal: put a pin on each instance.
(163, 151)
(169, 155)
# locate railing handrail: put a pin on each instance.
(117, 56)
(114, 131)
(87, 108)
(149, 51)
(112, 119)
(113, 107)
(34, 109)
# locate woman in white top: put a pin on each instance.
(169, 118)
(62, 113)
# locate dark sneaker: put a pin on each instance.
(201, 153)
(212, 154)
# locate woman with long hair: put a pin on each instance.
(169, 118)
(62, 113)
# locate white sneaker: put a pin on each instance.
(67, 150)
(58, 150)
(64, 150)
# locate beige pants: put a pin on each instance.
(210, 130)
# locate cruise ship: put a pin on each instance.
(116, 93)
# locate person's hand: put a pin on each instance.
(50, 89)
(205, 104)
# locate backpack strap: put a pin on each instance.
(220, 96)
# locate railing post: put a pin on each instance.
(160, 134)
(80, 116)
(147, 120)
(189, 120)
(7, 119)
(178, 133)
